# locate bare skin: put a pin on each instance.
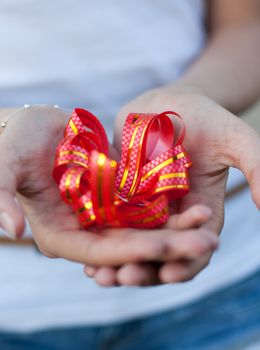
(216, 140)
(26, 168)
(225, 75)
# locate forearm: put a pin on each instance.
(228, 70)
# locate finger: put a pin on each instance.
(137, 274)
(11, 215)
(106, 276)
(254, 183)
(176, 272)
(188, 244)
(90, 270)
(193, 217)
(208, 191)
(244, 154)
(96, 249)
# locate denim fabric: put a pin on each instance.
(226, 320)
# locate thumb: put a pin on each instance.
(255, 185)
(246, 157)
(12, 221)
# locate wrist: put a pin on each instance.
(6, 115)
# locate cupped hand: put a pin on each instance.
(216, 140)
(27, 150)
(188, 253)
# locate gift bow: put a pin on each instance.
(132, 193)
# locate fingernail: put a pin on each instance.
(7, 226)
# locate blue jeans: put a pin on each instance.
(228, 319)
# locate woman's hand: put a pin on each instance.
(27, 150)
(216, 140)
(188, 235)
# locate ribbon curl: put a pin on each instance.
(134, 192)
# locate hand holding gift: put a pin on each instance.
(122, 256)
(27, 151)
(216, 139)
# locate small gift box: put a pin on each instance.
(134, 192)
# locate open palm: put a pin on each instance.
(216, 140)
(27, 153)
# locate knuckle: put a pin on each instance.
(44, 249)
(155, 248)
(46, 252)
(198, 247)
(92, 252)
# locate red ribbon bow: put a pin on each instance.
(132, 193)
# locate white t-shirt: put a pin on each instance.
(99, 55)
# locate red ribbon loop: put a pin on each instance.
(134, 192)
